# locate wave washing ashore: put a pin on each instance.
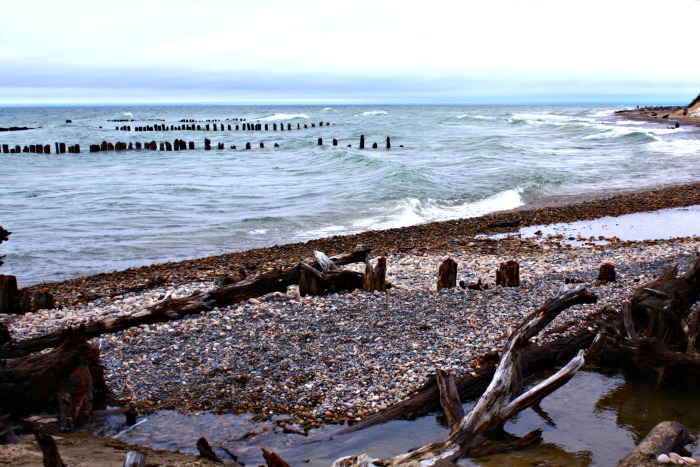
(78, 214)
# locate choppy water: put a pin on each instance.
(73, 215)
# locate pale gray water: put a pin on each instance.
(74, 215)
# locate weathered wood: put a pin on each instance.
(449, 398)
(5, 336)
(52, 458)
(176, 308)
(206, 451)
(64, 379)
(135, 459)
(663, 438)
(272, 459)
(9, 295)
(498, 403)
(375, 277)
(535, 358)
(7, 432)
(508, 274)
(606, 272)
(314, 282)
(447, 274)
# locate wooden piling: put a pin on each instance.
(62, 146)
(320, 141)
(191, 145)
(388, 142)
(247, 145)
(374, 145)
(207, 144)
(262, 145)
(362, 141)
(6, 148)
(335, 142)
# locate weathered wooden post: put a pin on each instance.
(207, 144)
(362, 141)
(191, 145)
(388, 142)
(274, 127)
(606, 272)
(335, 142)
(375, 277)
(289, 126)
(447, 274)
(508, 274)
(320, 141)
(247, 145)
(6, 148)
(374, 145)
(63, 148)
(9, 296)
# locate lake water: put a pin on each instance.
(78, 214)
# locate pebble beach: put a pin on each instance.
(341, 357)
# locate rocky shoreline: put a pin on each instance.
(341, 357)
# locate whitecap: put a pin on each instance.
(281, 116)
(370, 113)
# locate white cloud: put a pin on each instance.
(429, 45)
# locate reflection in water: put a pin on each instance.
(594, 420)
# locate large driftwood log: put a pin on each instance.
(478, 430)
(68, 379)
(656, 334)
(663, 438)
(176, 308)
(49, 449)
(535, 358)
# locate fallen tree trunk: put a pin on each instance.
(176, 308)
(656, 335)
(534, 359)
(478, 430)
(68, 380)
(664, 438)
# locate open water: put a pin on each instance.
(77, 214)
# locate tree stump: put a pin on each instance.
(447, 274)
(9, 296)
(375, 277)
(607, 272)
(508, 274)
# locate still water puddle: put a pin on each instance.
(655, 225)
(595, 420)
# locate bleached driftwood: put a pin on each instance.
(476, 432)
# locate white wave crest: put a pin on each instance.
(412, 211)
(371, 113)
(474, 117)
(551, 119)
(280, 116)
(677, 147)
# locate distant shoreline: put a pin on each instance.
(668, 115)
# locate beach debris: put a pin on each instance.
(52, 458)
(375, 277)
(666, 437)
(272, 459)
(16, 301)
(508, 274)
(447, 274)
(502, 399)
(606, 272)
(330, 279)
(206, 451)
(135, 459)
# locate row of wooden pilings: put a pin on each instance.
(219, 127)
(61, 148)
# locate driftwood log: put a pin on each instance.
(656, 333)
(135, 459)
(176, 308)
(329, 279)
(663, 438)
(478, 432)
(16, 301)
(68, 380)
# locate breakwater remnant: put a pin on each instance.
(16, 128)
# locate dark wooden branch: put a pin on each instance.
(272, 459)
(449, 398)
(206, 451)
(48, 448)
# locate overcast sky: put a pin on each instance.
(378, 51)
